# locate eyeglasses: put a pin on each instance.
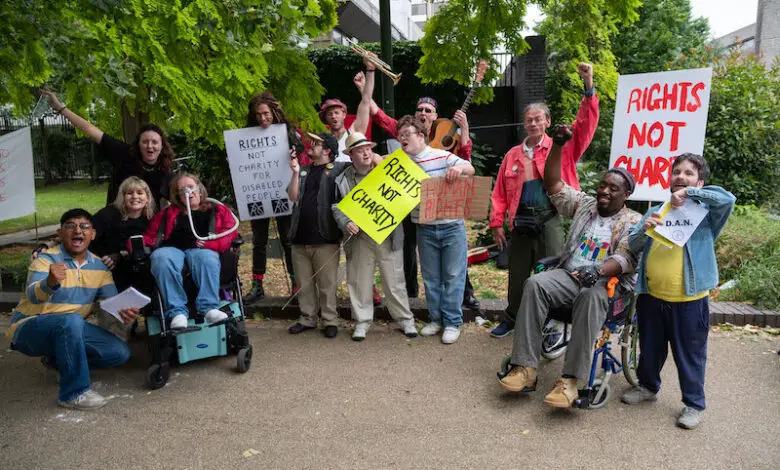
(426, 110)
(404, 135)
(73, 225)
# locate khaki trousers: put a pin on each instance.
(318, 294)
(363, 256)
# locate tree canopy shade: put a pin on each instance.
(187, 64)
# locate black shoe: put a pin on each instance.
(257, 291)
(471, 302)
(298, 328)
(331, 331)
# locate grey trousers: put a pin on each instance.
(556, 289)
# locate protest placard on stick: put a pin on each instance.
(466, 198)
(259, 161)
(385, 196)
(658, 116)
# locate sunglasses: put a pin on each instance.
(425, 110)
(73, 225)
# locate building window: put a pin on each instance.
(418, 9)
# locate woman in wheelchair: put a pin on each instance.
(114, 224)
(176, 246)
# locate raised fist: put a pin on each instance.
(57, 273)
(562, 134)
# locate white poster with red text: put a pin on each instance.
(658, 116)
(17, 182)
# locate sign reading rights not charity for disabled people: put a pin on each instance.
(259, 162)
(658, 116)
(385, 196)
(17, 183)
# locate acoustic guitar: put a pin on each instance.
(445, 131)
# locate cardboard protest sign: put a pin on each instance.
(385, 196)
(678, 224)
(259, 162)
(657, 117)
(17, 181)
(466, 198)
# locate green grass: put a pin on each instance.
(52, 201)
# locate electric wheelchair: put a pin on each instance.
(620, 321)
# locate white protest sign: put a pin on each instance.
(259, 162)
(17, 181)
(658, 116)
(678, 223)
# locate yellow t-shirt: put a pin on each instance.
(664, 272)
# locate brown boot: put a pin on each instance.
(520, 379)
(563, 395)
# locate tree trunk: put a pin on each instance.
(132, 120)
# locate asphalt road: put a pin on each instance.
(387, 402)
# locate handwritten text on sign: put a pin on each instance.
(259, 161)
(658, 116)
(466, 198)
(385, 196)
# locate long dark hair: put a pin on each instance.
(279, 117)
(165, 159)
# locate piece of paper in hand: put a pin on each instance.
(678, 224)
(128, 298)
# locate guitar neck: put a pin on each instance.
(469, 97)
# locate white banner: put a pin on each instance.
(260, 169)
(658, 116)
(17, 182)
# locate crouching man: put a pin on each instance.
(597, 250)
(364, 254)
(62, 286)
(674, 286)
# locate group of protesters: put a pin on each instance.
(536, 186)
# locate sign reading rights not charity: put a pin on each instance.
(259, 161)
(385, 196)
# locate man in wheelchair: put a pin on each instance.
(597, 250)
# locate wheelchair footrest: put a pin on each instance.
(181, 331)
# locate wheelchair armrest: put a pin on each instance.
(547, 263)
(237, 242)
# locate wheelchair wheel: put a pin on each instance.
(244, 359)
(594, 401)
(554, 339)
(157, 375)
(629, 341)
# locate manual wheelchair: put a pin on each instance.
(621, 321)
(199, 340)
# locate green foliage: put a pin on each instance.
(748, 251)
(485, 161)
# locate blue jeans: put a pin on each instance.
(443, 256)
(167, 266)
(72, 346)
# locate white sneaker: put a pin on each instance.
(89, 400)
(214, 315)
(430, 329)
(179, 321)
(409, 329)
(360, 331)
(451, 334)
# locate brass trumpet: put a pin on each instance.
(378, 63)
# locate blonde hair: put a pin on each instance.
(131, 184)
(175, 197)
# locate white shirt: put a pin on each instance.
(342, 157)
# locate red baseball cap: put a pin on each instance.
(331, 103)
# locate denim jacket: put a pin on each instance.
(700, 269)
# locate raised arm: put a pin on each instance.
(295, 182)
(364, 109)
(553, 183)
(82, 124)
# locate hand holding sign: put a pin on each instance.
(453, 173)
(678, 197)
(652, 221)
(677, 224)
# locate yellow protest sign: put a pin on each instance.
(385, 196)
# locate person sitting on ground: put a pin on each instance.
(171, 233)
(149, 157)
(597, 250)
(62, 286)
(673, 290)
(364, 254)
(128, 216)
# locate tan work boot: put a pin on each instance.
(520, 379)
(563, 394)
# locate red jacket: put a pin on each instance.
(509, 181)
(224, 222)
(390, 126)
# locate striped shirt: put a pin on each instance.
(83, 285)
(434, 162)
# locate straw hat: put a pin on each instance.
(355, 140)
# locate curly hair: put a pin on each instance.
(278, 115)
(165, 160)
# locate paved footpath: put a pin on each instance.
(387, 402)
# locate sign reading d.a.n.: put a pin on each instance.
(385, 196)
(658, 116)
(259, 162)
